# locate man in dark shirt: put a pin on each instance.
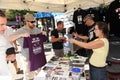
(88, 20)
(57, 39)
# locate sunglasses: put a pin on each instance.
(31, 21)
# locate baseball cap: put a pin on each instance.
(29, 17)
(10, 51)
(88, 17)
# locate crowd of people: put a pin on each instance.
(31, 40)
(8, 52)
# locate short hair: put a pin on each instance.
(59, 22)
(2, 14)
(88, 17)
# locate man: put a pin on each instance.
(57, 39)
(24, 33)
(4, 44)
(89, 21)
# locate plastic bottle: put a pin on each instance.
(75, 73)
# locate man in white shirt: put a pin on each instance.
(4, 44)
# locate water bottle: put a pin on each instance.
(75, 73)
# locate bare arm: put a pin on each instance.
(53, 39)
(80, 36)
(15, 44)
(83, 37)
(90, 45)
(13, 37)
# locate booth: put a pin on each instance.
(62, 69)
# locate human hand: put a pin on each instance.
(71, 40)
(62, 38)
(43, 32)
(75, 34)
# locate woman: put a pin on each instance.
(100, 48)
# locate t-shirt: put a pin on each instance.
(91, 33)
(36, 50)
(114, 17)
(99, 55)
(58, 44)
(8, 32)
(103, 14)
(78, 17)
(4, 44)
(94, 13)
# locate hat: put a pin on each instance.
(29, 17)
(10, 51)
(88, 17)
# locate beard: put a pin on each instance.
(31, 27)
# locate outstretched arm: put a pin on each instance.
(13, 37)
(90, 45)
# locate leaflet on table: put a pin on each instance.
(50, 66)
(81, 58)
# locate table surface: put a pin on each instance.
(61, 68)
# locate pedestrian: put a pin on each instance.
(31, 41)
(4, 45)
(100, 47)
(57, 39)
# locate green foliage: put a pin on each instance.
(11, 14)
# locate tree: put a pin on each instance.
(11, 14)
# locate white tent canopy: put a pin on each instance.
(50, 5)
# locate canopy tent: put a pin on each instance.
(50, 5)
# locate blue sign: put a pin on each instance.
(46, 14)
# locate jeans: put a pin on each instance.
(59, 52)
(97, 73)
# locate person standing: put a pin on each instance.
(100, 47)
(26, 32)
(57, 39)
(89, 21)
(4, 45)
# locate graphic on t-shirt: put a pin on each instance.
(36, 45)
(79, 18)
(91, 35)
(118, 12)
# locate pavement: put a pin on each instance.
(48, 52)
